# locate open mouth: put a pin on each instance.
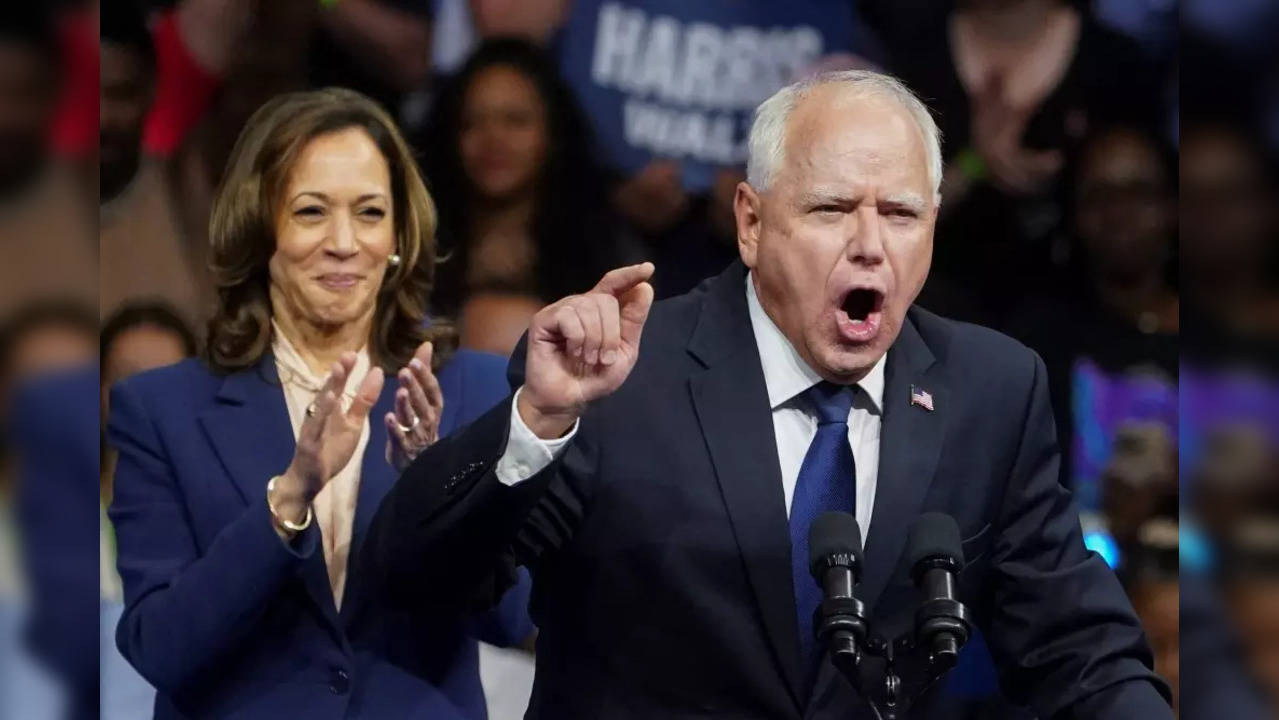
(859, 303)
(859, 317)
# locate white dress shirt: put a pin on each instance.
(786, 377)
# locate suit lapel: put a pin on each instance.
(251, 433)
(732, 406)
(250, 430)
(910, 444)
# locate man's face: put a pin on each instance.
(125, 98)
(1125, 215)
(840, 243)
(27, 96)
(1227, 212)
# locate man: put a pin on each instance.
(156, 84)
(127, 90)
(1112, 324)
(45, 225)
(662, 498)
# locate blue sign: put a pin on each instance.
(679, 79)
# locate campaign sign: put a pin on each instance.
(679, 79)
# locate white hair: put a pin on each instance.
(768, 131)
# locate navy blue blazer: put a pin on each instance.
(57, 436)
(660, 546)
(227, 620)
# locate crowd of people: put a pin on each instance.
(560, 138)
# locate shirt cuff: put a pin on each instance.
(527, 454)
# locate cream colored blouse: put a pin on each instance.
(334, 506)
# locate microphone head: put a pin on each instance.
(834, 538)
(935, 536)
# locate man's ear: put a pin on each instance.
(746, 211)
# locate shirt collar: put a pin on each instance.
(294, 370)
(785, 372)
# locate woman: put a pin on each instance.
(523, 206)
(244, 482)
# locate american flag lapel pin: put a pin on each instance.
(921, 397)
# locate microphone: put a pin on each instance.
(936, 556)
(835, 560)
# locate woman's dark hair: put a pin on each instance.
(572, 232)
(242, 231)
(156, 314)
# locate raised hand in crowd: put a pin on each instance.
(997, 129)
(654, 199)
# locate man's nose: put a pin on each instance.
(865, 246)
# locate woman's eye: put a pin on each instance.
(310, 211)
(373, 213)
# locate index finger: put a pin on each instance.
(618, 281)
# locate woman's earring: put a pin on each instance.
(393, 260)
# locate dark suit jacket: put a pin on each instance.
(659, 540)
(228, 621)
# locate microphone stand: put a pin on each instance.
(911, 662)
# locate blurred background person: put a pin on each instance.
(523, 215)
(1151, 579)
(382, 47)
(156, 82)
(1252, 594)
(140, 336)
(1235, 476)
(39, 339)
(1016, 86)
(42, 337)
(1138, 486)
(1110, 318)
(1229, 230)
(47, 353)
(45, 223)
(56, 453)
(1217, 682)
(323, 267)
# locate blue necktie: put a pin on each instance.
(827, 482)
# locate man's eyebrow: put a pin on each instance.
(823, 196)
(908, 200)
